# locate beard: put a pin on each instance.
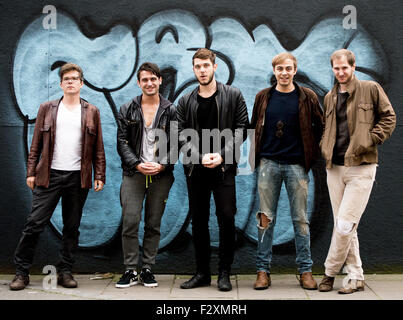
(207, 81)
(346, 79)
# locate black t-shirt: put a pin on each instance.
(207, 118)
(342, 134)
(282, 139)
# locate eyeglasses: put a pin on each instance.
(67, 79)
(280, 126)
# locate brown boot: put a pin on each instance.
(263, 281)
(326, 284)
(19, 282)
(66, 280)
(353, 286)
(307, 281)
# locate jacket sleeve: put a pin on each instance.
(252, 137)
(185, 145)
(99, 161)
(125, 151)
(325, 102)
(317, 119)
(241, 124)
(385, 117)
(36, 144)
(171, 155)
(253, 121)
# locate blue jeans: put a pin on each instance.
(270, 179)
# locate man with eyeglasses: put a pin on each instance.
(288, 124)
(66, 147)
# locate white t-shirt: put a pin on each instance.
(68, 140)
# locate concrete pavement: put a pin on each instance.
(284, 287)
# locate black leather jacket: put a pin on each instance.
(130, 133)
(232, 115)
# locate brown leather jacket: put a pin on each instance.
(43, 140)
(310, 120)
(370, 117)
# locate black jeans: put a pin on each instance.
(201, 184)
(65, 185)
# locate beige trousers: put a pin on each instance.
(349, 190)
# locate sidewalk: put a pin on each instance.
(284, 287)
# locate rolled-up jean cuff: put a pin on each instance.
(265, 270)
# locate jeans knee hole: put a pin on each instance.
(259, 216)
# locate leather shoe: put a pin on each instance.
(263, 281)
(19, 282)
(326, 284)
(223, 282)
(198, 280)
(66, 280)
(307, 281)
(353, 286)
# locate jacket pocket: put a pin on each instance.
(364, 143)
(366, 112)
(324, 142)
(328, 112)
(91, 131)
(132, 125)
(45, 128)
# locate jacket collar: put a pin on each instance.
(302, 95)
(351, 87)
(56, 103)
(196, 90)
(164, 103)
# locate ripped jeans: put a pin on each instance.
(349, 190)
(270, 179)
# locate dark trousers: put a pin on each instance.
(201, 184)
(65, 185)
(132, 194)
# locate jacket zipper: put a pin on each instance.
(158, 122)
(53, 139)
(192, 166)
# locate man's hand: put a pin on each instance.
(211, 160)
(150, 168)
(98, 185)
(31, 182)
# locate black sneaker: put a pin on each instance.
(147, 278)
(128, 279)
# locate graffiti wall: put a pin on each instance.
(110, 41)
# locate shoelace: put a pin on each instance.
(127, 275)
(148, 275)
(19, 277)
(224, 274)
